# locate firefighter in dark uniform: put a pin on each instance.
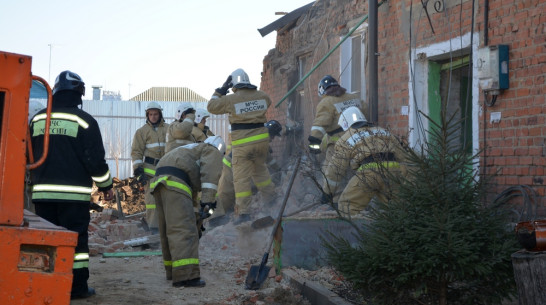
(246, 108)
(181, 174)
(62, 185)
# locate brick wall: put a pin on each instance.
(515, 147)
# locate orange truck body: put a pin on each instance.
(36, 257)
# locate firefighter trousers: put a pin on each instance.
(225, 201)
(178, 233)
(73, 216)
(249, 165)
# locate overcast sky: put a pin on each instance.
(132, 45)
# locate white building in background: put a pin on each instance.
(118, 121)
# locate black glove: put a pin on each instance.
(140, 175)
(225, 87)
(314, 145)
(206, 209)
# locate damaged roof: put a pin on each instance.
(286, 19)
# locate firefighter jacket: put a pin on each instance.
(76, 153)
(201, 132)
(190, 169)
(328, 111)
(180, 133)
(246, 109)
(149, 146)
(363, 149)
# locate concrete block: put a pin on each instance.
(301, 244)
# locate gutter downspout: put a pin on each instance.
(372, 64)
(328, 55)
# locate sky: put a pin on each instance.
(129, 46)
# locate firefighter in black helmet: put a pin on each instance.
(62, 185)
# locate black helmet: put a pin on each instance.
(274, 127)
(68, 80)
(325, 82)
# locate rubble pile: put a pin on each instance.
(130, 194)
(109, 229)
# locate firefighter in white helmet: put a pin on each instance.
(201, 130)
(226, 190)
(247, 109)
(367, 152)
(147, 148)
(325, 130)
(180, 131)
(181, 174)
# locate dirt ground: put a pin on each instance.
(224, 265)
(225, 252)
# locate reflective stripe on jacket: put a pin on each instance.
(75, 159)
(148, 141)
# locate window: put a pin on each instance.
(352, 71)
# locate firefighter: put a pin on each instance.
(325, 130)
(62, 185)
(246, 109)
(181, 174)
(202, 131)
(226, 191)
(180, 131)
(148, 147)
(370, 151)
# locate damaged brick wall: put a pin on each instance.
(515, 147)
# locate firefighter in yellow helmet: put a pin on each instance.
(369, 151)
(180, 131)
(147, 148)
(181, 174)
(325, 129)
(201, 131)
(246, 108)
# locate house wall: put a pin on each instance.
(514, 148)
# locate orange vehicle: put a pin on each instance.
(36, 257)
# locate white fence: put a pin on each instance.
(119, 120)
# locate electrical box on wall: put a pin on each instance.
(493, 67)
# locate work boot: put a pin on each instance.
(90, 292)
(218, 221)
(196, 282)
(241, 219)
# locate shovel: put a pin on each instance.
(258, 274)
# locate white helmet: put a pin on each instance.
(33, 108)
(181, 108)
(350, 116)
(240, 79)
(217, 142)
(153, 105)
(201, 114)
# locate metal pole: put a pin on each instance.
(372, 64)
(324, 58)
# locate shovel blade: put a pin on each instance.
(263, 222)
(256, 277)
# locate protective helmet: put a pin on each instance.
(351, 116)
(68, 80)
(33, 108)
(325, 82)
(201, 114)
(153, 105)
(217, 142)
(240, 79)
(274, 128)
(181, 108)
